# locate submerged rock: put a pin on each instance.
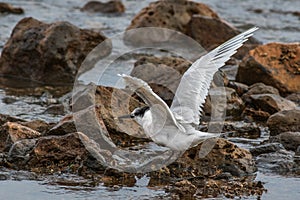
(284, 121)
(47, 53)
(274, 64)
(266, 148)
(114, 6)
(8, 8)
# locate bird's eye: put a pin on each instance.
(132, 115)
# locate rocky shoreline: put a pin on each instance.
(263, 96)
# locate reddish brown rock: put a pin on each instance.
(284, 121)
(8, 8)
(54, 153)
(38, 125)
(12, 132)
(114, 6)
(273, 64)
(224, 157)
(47, 53)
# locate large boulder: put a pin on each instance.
(284, 121)
(194, 19)
(47, 53)
(274, 64)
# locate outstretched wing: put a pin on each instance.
(195, 82)
(143, 90)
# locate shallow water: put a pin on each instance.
(276, 22)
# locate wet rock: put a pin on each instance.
(290, 140)
(114, 6)
(55, 109)
(57, 153)
(284, 121)
(266, 148)
(38, 125)
(47, 53)
(170, 14)
(279, 161)
(271, 103)
(259, 88)
(162, 73)
(184, 189)
(295, 97)
(211, 32)
(19, 152)
(224, 157)
(240, 88)
(241, 129)
(274, 64)
(252, 114)
(65, 126)
(8, 8)
(12, 132)
(220, 99)
(7, 118)
(112, 103)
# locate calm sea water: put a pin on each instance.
(277, 24)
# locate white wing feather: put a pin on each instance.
(193, 88)
(143, 90)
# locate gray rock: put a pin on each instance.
(266, 148)
(290, 140)
(284, 121)
(19, 153)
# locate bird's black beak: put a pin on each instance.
(125, 116)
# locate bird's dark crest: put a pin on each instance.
(141, 111)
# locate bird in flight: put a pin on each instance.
(175, 126)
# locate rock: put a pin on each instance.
(38, 125)
(274, 64)
(184, 189)
(224, 157)
(56, 153)
(8, 8)
(241, 129)
(55, 109)
(162, 73)
(266, 148)
(284, 121)
(251, 114)
(12, 132)
(211, 32)
(114, 6)
(290, 140)
(170, 14)
(7, 118)
(271, 103)
(19, 153)
(279, 161)
(295, 97)
(65, 126)
(194, 19)
(259, 88)
(112, 103)
(240, 88)
(47, 53)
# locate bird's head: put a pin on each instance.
(137, 114)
